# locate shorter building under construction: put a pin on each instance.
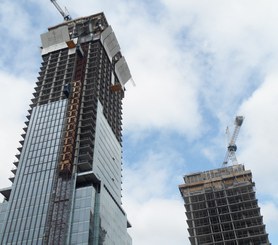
(221, 207)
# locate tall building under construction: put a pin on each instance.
(221, 207)
(66, 187)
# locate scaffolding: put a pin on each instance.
(221, 207)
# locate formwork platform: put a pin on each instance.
(221, 207)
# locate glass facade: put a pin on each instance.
(97, 218)
(32, 187)
(82, 224)
(3, 213)
(112, 218)
(97, 214)
(107, 156)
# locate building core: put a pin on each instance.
(221, 207)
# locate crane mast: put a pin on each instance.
(65, 13)
(231, 149)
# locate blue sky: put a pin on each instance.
(196, 65)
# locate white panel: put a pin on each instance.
(72, 51)
(109, 41)
(58, 46)
(105, 33)
(58, 35)
(122, 71)
(53, 48)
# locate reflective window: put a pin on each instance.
(32, 186)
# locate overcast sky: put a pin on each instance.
(196, 64)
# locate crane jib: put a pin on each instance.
(65, 13)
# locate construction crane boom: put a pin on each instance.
(65, 14)
(231, 149)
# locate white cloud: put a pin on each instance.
(270, 217)
(157, 221)
(165, 96)
(20, 40)
(152, 199)
(234, 45)
(259, 137)
(157, 174)
(14, 20)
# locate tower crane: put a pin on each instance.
(65, 13)
(231, 149)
